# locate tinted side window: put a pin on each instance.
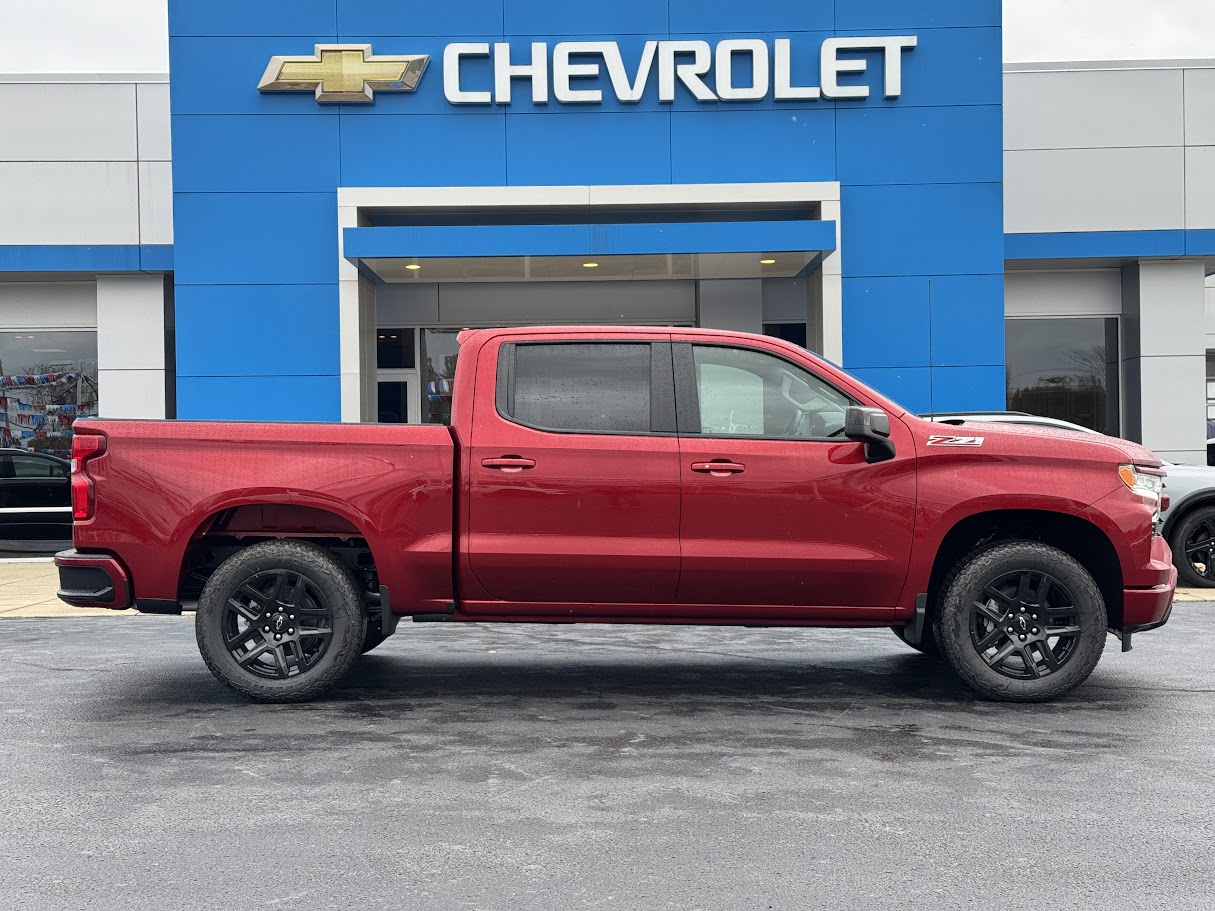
(743, 392)
(583, 387)
(30, 467)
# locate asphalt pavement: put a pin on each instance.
(543, 767)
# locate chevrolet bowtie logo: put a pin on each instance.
(342, 73)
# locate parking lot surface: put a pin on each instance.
(545, 767)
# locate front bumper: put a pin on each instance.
(1148, 608)
(93, 580)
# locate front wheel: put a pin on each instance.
(280, 621)
(1022, 622)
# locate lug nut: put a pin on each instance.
(276, 638)
(1022, 638)
(1010, 629)
(265, 629)
(280, 610)
(1035, 616)
(291, 632)
(1035, 630)
(291, 616)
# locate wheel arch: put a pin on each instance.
(1075, 536)
(238, 524)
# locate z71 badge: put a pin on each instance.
(955, 441)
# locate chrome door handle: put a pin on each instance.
(719, 468)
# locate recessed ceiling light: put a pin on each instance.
(767, 262)
(413, 267)
(590, 265)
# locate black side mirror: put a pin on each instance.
(870, 426)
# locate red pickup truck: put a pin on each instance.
(609, 475)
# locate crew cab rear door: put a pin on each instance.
(779, 508)
(574, 477)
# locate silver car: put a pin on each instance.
(1189, 521)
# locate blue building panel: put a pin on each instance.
(718, 146)
(884, 324)
(923, 229)
(469, 19)
(416, 150)
(967, 320)
(921, 216)
(560, 18)
(255, 239)
(271, 330)
(920, 14)
(259, 398)
(588, 147)
(932, 143)
(228, 153)
(729, 17)
(242, 18)
(969, 389)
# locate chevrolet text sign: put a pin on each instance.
(706, 71)
(736, 69)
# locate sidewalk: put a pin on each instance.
(28, 590)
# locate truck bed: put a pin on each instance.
(161, 485)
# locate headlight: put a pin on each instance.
(1147, 482)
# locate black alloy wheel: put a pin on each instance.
(1021, 621)
(280, 621)
(1025, 625)
(277, 624)
(1193, 544)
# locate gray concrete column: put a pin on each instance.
(733, 304)
(1164, 357)
(131, 346)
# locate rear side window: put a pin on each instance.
(581, 387)
(32, 467)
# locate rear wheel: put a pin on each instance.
(1022, 622)
(280, 621)
(1193, 544)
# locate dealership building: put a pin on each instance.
(295, 222)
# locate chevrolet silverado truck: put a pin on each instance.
(609, 475)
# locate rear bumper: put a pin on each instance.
(93, 580)
(1147, 608)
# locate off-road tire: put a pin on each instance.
(1071, 584)
(928, 641)
(330, 581)
(1177, 538)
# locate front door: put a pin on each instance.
(778, 508)
(574, 478)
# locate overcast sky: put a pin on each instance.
(128, 36)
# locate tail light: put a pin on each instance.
(84, 447)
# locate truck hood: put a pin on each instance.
(1059, 441)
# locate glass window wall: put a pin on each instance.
(47, 380)
(1066, 369)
